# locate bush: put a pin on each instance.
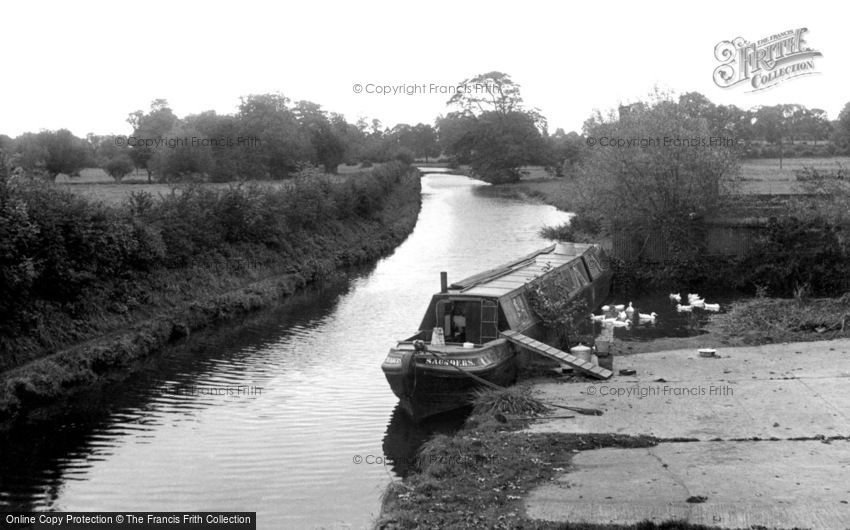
(405, 156)
(119, 166)
(58, 248)
(796, 252)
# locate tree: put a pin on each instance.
(269, 118)
(226, 160)
(155, 125)
(425, 141)
(327, 147)
(842, 128)
(6, 151)
(565, 151)
(771, 123)
(495, 146)
(661, 186)
(726, 121)
(119, 166)
(493, 91)
(492, 131)
(51, 152)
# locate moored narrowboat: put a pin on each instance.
(473, 329)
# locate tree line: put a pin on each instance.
(268, 138)
(489, 129)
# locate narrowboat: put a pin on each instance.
(473, 329)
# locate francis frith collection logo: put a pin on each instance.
(766, 62)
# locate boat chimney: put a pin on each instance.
(444, 282)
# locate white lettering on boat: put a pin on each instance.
(450, 362)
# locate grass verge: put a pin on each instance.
(770, 320)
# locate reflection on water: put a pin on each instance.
(288, 450)
(404, 437)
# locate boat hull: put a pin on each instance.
(431, 382)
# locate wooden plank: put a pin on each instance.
(541, 348)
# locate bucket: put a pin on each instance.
(582, 352)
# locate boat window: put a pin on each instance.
(579, 274)
(593, 264)
(521, 310)
(600, 258)
(569, 280)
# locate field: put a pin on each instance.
(95, 184)
(758, 176)
(763, 176)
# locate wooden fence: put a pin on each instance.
(718, 237)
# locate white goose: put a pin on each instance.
(619, 307)
(630, 310)
(622, 315)
(711, 307)
(684, 308)
(621, 324)
(676, 297)
(697, 302)
(597, 318)
(643, 317)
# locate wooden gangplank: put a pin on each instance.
(545, 350)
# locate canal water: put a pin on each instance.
(286, 414)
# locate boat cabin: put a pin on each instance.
(475, 309)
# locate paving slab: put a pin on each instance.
(770, 484)
(796, 390)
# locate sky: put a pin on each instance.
(86, 65)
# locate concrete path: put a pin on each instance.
(765, 484)
(798, 390)
(775, 393)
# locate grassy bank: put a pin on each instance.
(118, 312)
(771, 320)
(536, 185)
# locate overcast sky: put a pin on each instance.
(85, 65)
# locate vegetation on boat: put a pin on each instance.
(564, 316)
